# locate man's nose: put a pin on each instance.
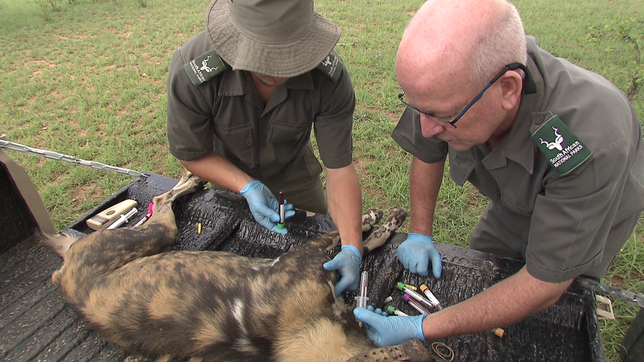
(430, 126)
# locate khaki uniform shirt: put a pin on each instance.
(226, 114)
(559, 225)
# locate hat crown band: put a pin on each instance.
(278, 38)
(272, 21)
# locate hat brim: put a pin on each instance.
(279, 59)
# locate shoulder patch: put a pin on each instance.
(563, 149)
(331, 66)
(204, 67)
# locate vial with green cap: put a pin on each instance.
(392, 310)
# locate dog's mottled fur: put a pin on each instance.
(215, 306)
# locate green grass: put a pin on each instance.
(88, 80)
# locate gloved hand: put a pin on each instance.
(264, 206)
(416, 252)
(390, 331)
(347, 263)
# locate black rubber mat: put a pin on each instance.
(35, 325)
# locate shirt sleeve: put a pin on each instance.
(333, 125)
(409, 136)
(573, 216)
(189, 126)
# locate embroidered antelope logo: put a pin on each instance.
(557, 143)
(326, 62)
(204, 66)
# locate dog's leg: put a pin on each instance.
(330, 240)
(370, 218)
(411, 350)
(162, 208)
(105, 250)
(380, 236)
(155, 236)
(325, 242)
(158, 233)
(59, 243)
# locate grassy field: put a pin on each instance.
(87, 79)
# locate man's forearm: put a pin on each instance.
(424, 183)
(345, 204)
(505, 303)
(216, 169)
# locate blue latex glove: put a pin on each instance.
(264, 206)
(390, 331)
(377, 311)
(347, 263)
(416, 252)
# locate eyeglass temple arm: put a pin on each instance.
(469, 105)
(507, 68)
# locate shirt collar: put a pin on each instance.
(303, 81)
(233, 83)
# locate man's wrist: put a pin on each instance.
(419, 236)
(357, 255)
(246, 187)
(419, 232)
(356, 245)
(420, 334)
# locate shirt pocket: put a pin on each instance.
(287, 137)
(519, 190)
(238, 140)
(286, 132)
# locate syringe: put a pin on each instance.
(362, 299)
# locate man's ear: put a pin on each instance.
(511, 88)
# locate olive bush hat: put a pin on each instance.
(278, 38)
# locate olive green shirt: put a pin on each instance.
(558, 224)
(225, 114)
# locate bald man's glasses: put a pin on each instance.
(507, 68)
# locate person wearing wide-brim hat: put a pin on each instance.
(243, 97)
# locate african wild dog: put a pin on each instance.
(216, 306)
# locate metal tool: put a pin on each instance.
(625, 295)
(60, 157)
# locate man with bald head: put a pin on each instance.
(557, 149)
